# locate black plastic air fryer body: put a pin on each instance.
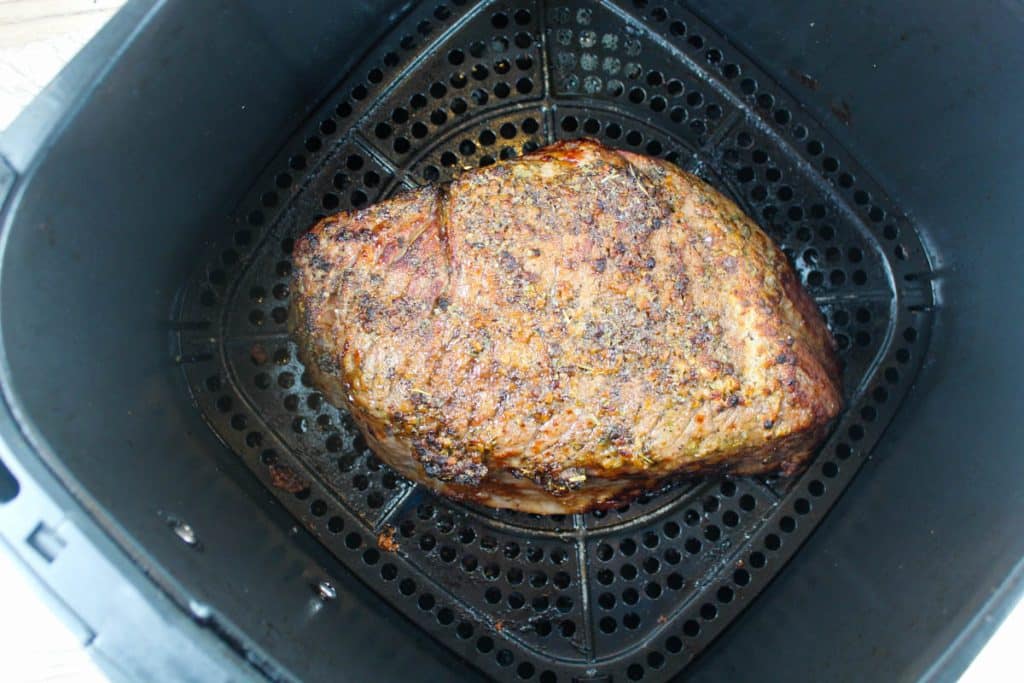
(195, 512)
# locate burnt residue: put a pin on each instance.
(284, 477)
(841, 110)
(805, 79)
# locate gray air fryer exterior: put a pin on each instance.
(157, 130)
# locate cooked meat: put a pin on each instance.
(563, 332)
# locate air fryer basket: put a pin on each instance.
(143, 304)
(638, 591)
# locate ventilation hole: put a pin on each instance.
(741, 577)
(484, 645)
(353, 541)
(456, 57)
(328, 127)
(524, 86)
(438, 90)
(816, 488)
(787, 524)
(523, 40)
(464, 630)
(605, 577)
(802, 506)
(388, 572)
(712, 533)
(514, 576)
(691, 628)
(607, 625)
(692, 546)
(445, 616)
(567, 628)
(371, 556)
(525, 670)
(730, 518)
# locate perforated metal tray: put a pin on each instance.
(635, 592)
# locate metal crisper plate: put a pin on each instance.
(635, 592)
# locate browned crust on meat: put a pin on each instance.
(564, 331)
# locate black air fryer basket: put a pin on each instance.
(196, 511)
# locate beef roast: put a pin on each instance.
(564, 331)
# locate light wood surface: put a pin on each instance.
(37, 38)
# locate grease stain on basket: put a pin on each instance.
(805, 79)
(258, 354)
(284, 477)
(841, 110)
